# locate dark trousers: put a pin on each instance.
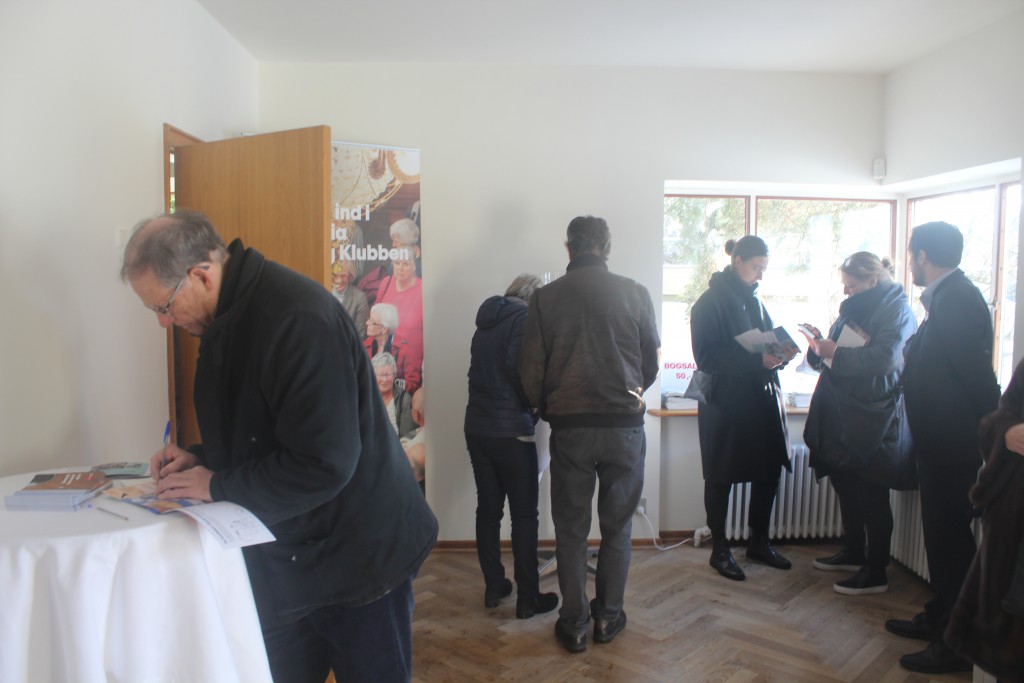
(948, 537)
(865, 507)
(360, 644)
(505, 467)
(759, 511)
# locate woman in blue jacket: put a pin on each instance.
(856, 427)
(499, 431)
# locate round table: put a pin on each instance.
(92, 597)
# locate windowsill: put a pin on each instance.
(661, 412)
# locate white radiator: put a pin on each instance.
(907, 536)
(804, 507)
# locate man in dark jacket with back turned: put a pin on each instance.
(949, 385)
(590, 350)
(294, 429)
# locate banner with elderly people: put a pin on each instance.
(375, 266)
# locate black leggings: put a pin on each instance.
(716, 504)
(864, 506)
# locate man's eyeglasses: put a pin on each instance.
(166, 308)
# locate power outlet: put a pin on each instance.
(641, 507)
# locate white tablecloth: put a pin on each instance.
(88, 597)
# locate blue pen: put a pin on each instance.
(167, 440)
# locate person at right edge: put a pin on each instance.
(856, 427)
(948, 385)
(740, 422)
(987, 623)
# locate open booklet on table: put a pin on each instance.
(232, 525)
(777, 342)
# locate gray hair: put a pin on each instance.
(405, 232)
(522, 287)
(169, 245)
(383, 359)
(387, 315)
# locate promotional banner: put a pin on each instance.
(376, 274)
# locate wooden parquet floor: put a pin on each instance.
(686, 624)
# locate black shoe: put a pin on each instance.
(544, 602)
(864, 582)
(761, 548)
(574, 639)
(495, 592)
(606, 628)
(725, 564)
(937, 658)
(918, 627)
(842, 561)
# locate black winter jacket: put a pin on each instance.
(497, 405)
(857, 420)
(741, 425)
(295, 430)
(590, 348)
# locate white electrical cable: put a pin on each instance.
(654, 537)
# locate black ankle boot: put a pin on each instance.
(760, 547)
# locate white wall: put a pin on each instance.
(510, 154)
(959, 107)
(84, 90)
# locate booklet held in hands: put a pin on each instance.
(776, 342)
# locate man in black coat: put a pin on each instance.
(294, 429)
(949, 385)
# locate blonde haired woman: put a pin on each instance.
(857, 426)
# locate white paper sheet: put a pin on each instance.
(232, 525)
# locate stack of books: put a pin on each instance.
(57, 491)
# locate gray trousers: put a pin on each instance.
(614, 459)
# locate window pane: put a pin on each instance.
(974, 213)
(808, 239)
(695, 232)
(1008, 298)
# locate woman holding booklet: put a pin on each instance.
(740, 418)
(856, 427)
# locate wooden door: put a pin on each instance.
(273, 191)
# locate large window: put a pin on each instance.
(807, 239)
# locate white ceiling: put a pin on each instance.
(855, 36)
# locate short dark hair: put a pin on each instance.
(746, 247)
(180, 241)
(943, 242)
(588, 235)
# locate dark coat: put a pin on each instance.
(497, 405)
(590, 348)
(295, 430)
(980, 629)
(857, 420)
(948, 381)
(742, 423)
